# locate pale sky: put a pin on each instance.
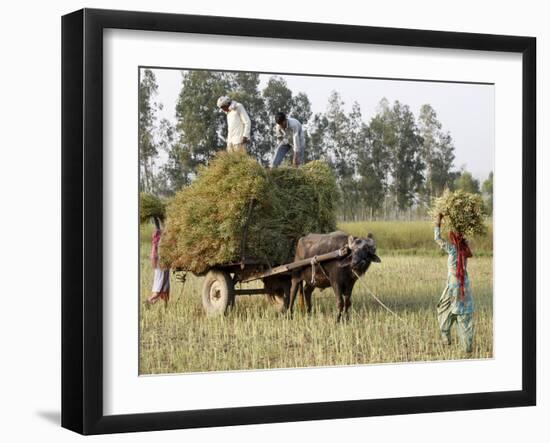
(465, 110)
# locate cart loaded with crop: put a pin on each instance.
(239, 222)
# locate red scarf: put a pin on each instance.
(155, 248)
(463, 253)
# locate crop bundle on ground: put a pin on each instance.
(463, 212)
(207, 220)
(150, 206)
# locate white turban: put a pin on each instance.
(223, 101)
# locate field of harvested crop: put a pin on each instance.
(180, 338)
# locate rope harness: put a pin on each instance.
(344, 251)
(314, 262)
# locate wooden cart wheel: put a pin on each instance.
(217, 293)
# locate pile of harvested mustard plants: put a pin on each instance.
(235, 208)
(463, 212)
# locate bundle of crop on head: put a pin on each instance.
(235, 208)
(150, 206)
(463, 212)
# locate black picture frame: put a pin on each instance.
(82, 218)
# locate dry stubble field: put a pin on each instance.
(180, 338)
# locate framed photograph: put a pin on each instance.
(269, 221)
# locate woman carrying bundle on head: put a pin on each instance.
(456, 304)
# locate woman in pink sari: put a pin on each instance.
(161, 279)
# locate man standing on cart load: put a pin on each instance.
(238, 124)
(290, 135)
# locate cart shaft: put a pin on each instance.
(339, 253)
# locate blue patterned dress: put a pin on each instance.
(451, 307)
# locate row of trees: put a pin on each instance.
(390, 167)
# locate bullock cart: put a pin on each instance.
(220, 282)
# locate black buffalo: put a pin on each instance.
(340, 273)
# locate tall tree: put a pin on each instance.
(340, 138)
(301, 108)
(405, 160)
(178, 168)
(316, 148)
(148, 149)
(200, 124)
(277, 96)
(373, 162)
(487, 189)
(437, 153)
(466, 182)
(337, 136)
